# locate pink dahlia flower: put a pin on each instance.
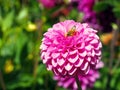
(70, 48)
(86, 81)
(48, 3)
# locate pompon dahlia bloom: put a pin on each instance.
(86, 81)
(70, 48)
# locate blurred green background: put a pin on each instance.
(22, 24)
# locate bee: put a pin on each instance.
(72, 31)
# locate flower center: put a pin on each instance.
(72, 32)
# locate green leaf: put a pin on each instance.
(116, 11)
(22, 14)
(7, 50)
(0, 18)
(7, 21)
(100, 6)
(20, 42)
(1, 43)
(40, 81)
(24, 81)
(98, 84)
(26, 77)
(73, 14)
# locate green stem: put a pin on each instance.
(78, 83)
(117, 63)
(112, 55)
(2, 81)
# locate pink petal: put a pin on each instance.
(68, 83)
(55, 55)
(94, 41)
(60, 70)
(89, 47)
(87, 70)
(43, 47)
(60, 61)
(98, 53)
(55, 42)
(93, 53)
(88, 39)
(46, 57)
(79, 63)
(83, 54)
(73, 60)
(82, 46)
(92, 62)
(64, 72)
(42, 55)
(49, 67)
(88, 59)
(73, 52)
(45, 60)
(65, 54)
(54, 63)
(51, 49)
(72, 71)
(55, 71)
(100, 45)
(84, 67)
(68, 67)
